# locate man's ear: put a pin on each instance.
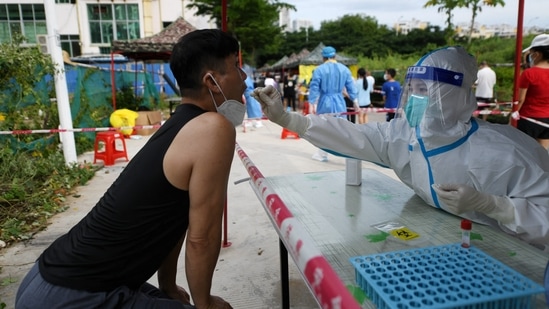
(208, 81)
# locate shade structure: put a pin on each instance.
(156, 47)
(279, 64)
(315, 57)
(294, 59)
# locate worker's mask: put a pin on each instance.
(415, 108)
(422, 90)
(233, 110)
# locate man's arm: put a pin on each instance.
(522, 96)
(167, 274)
(214, 150)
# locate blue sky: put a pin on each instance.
(536, 12)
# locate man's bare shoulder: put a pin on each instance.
(212, 123)
(205, 143)
(206, 132)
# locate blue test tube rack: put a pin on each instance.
(447, 276)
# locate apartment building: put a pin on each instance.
(405, 26)
(87, 27)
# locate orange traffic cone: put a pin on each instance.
(288, 134)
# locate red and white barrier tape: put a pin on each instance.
(324, 282)
(377, 110)
(17, 132)
(393, 110)
(543, 124)
(367, 110)
(490, 112)
(482, 104)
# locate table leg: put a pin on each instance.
(284, 276)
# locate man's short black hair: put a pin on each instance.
(199, 51)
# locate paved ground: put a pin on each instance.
(248, 271)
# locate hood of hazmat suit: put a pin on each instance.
(438, 95)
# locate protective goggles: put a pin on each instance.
(435, 74)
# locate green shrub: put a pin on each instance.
(33, 188)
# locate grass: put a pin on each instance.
(33, 188)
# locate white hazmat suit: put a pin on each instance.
(489, 173)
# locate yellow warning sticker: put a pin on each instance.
(404, 233)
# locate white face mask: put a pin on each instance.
(386, 77)
(531, 61)
(232, 109)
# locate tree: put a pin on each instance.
(23, 87)
(354, 34)
(359, 36)
(417, 41)
(296, 41)
(25, 90)
(476, 7)
(21, 66)
(254, 22)
(446, 6)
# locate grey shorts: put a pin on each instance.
(35, 292)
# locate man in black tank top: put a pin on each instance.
(139, 225)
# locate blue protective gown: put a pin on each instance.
(326, 87)
(253, 108)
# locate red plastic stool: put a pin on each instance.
(288, 134)
(109, 146)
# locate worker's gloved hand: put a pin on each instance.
(515, 115)
(462, 198)
(271, 103)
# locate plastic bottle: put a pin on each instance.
(466, 226)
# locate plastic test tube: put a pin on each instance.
(466, 226)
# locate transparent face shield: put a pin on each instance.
(424, 90)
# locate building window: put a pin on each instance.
(71, 44)
(104, 50)
(66, 1)
(110, 22)
(26, 19)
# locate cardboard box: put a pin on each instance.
(148, 118)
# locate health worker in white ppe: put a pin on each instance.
(489, 173)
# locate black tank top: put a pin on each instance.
(125, 238)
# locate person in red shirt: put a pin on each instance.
(534, 92)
